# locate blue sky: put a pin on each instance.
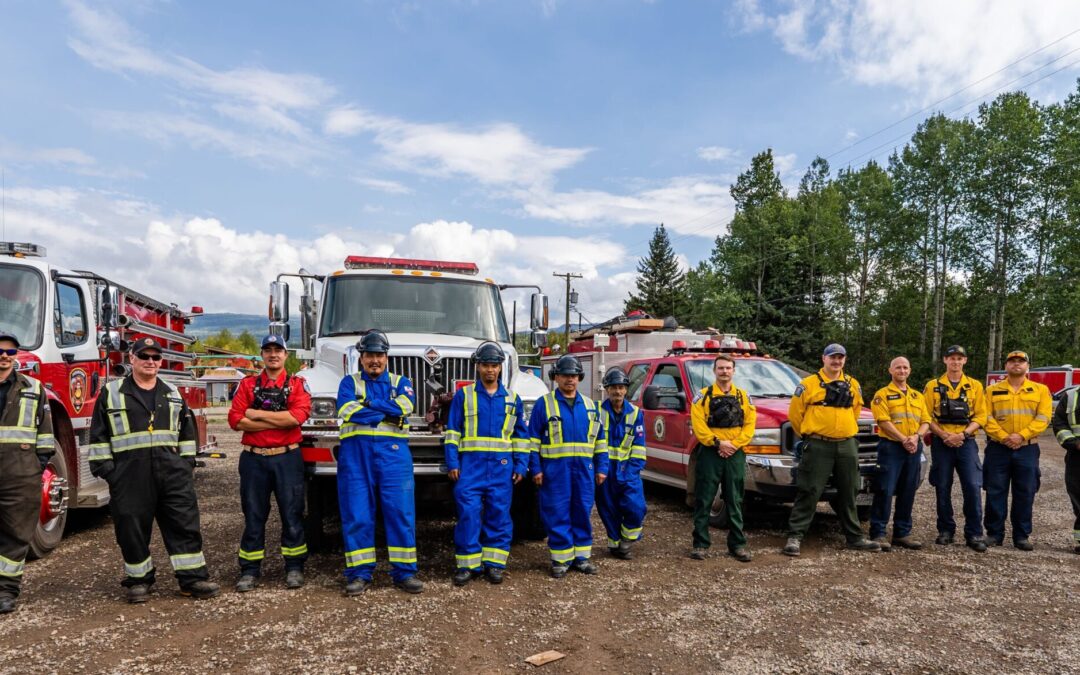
(194, 150)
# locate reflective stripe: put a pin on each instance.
(187, 561)
(898, 416)
(1073, 430)
(401, 554)
(139, 570)
(144, 439)
(117, 408)
(566, 450)
(468, 562)
(382, 430)
(1066, 435)
(611, 543)
(99, 451)
(471, 440)
(495, 555)
(251, 555)
(562, 555)
(405, 403)
(46, 442)
(28, 405)
(555, 448)
(349, 409)
(1042, 418)
(1012, 412)
(638, 452)
(452, 437)
(11, 568)
(630, 534)
(294, 551)
(18, 435)
(187, 448)
(623, 451)
(485, 445)
(361, 556)
(582, 551)
(522, 444)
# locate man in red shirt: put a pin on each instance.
(269, 408)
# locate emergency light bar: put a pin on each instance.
(362, 262)
(21, 249)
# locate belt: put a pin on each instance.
(819, 437)
(270, 452)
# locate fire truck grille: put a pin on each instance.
(417, 370)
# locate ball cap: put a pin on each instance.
(271, 340)
(143, 344)
(4, 335)
(834, 349)
(1017, 354)
(955, 349)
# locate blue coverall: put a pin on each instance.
(488, 441)
(568, 447)
(620, 501)
(375, 462)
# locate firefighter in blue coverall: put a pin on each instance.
(621, 499)
(568, 454)
(487, 452)
(375, 463)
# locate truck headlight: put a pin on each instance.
(764, 442)
(323, 408)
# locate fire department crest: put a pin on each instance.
(659, 428)
(77, 389)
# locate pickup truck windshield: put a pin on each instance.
(22, 303)
(355, 304)
(757, 377)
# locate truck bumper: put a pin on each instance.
(773, 477)
(320, 450)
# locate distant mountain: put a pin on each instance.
(206, 325)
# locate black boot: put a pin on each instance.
(462, 577)
(494, 575)
(410, 585)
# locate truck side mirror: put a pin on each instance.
(538, 304)
(109, 300)
(279, 302)
(281, 329)
(656, 397)
(539, 339)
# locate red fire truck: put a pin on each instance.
(1056, 378)
(73, 329)
(669, 366)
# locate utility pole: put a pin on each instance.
(566, 327)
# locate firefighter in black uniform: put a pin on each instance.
(142, 442)
(26, 443)
(1066, 423)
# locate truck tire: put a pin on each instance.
(54, 507)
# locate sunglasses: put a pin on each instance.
(9, 352)
(152, 357)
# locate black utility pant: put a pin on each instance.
(1072, 486)
(282, 476)
(151, 484)
(20, 502)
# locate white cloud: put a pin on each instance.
(497, 154)
(716, 153)
(687, 205)
(391, 187)
(927, 47)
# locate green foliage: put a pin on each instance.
(244, 344)
(970, 235)
(660, 283)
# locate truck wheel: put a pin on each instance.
(53, 514)
(718, 514)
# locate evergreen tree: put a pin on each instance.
(661, 285)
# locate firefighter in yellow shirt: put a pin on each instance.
(723, 418)
(957, 411)
(824, 412)
(900, 412)
(1019, 410)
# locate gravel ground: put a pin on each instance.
(943, 609)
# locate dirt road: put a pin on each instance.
(943, 609)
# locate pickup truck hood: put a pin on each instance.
(772, 412)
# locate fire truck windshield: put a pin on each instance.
(758, 377)
(397, 304)
(22, 304)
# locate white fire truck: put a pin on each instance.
(435, 314)
(73, 328)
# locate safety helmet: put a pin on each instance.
(615, 376)
(489, 352)
(568, 365)
(374, 341)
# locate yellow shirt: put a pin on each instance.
(808, 416)
(739, 436)
(1025, 411)
(905, 409)
(973, 391)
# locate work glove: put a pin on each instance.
(102, 469)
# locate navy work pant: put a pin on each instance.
(965, 462)
(1004, 469)
(283, 477)
(897, 476)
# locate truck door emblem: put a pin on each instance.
(432, 356)
(77, 389)
(658, 428)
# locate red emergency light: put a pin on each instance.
(712, 345)
(678, 346)
(363, 262)
(196, 310)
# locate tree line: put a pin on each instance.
(970, 234)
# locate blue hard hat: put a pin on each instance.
(616, 376)
(489, 352)
(375, 342)
(568, 365)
